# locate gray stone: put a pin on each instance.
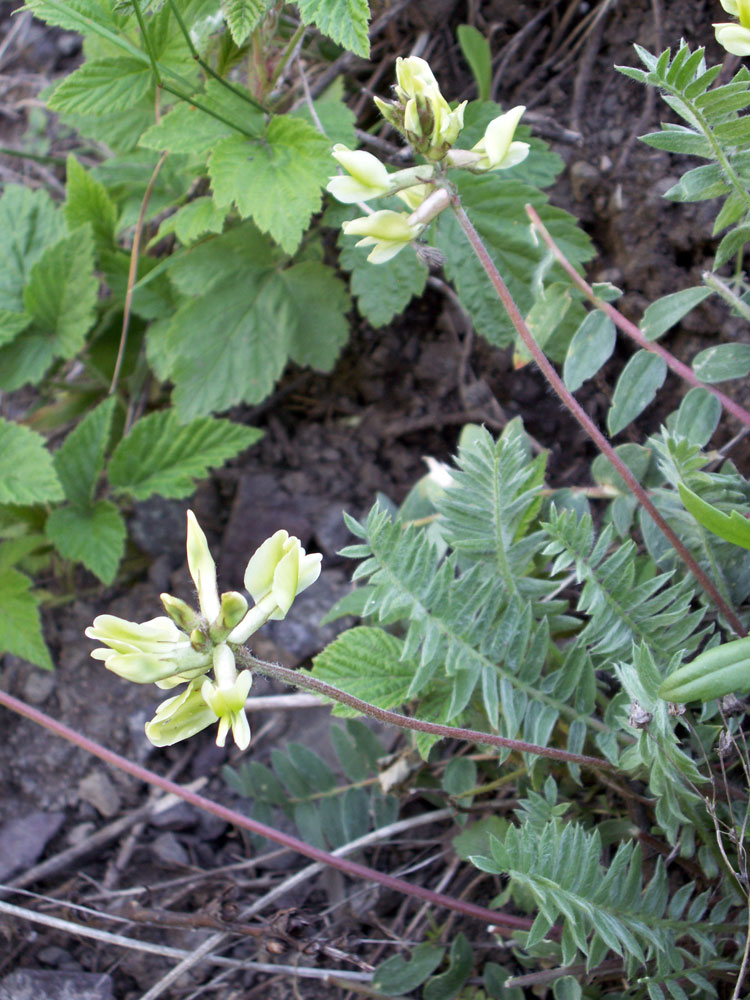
(97, 789)
(36, 984)
(23, 840)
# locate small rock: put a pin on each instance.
(80, 832)
(97, 789)
(179, 816)
(39, 686)
(36, 984)
(169, 850)
(58, 958)
(23, 840)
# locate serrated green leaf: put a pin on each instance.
(395, 977)
(29, 224)
(161, 456)
(74, 15)
(27, 473)
(60, 298)
(345, 21)
(254, 326)
(102, 86)
(661, 315)
(590, 348)
(185, 129)
(193, 220)
(636, 387)
(94, 536)
(87, 201)
(476, 52)
(80, 460)
(383, 291)
(243, 16)
(11, 324)
(20, 624)
(698, 416)
(723, 362)
(276, 182)
(364, 662)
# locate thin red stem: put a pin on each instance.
(630, 328)
(496, 918)
(301, 680)
(583, 418)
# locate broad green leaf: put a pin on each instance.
(448, 984)
(80, 460)
(590, 348)
(121, 129)
(87, 200)
(636, 387)
(161, 456)
(243, 16)
(60, 298)
(384, 291)
(698, 416)
(102, 86)
(20, 624)
(11, 324)
(395, 977)
(665, 312)
(29, 223)
(94, 536)
(276, 181)
(81, 16)
(193, 220)
(231, 255)
(364, 662)
(494, 205)
(476, 52)
(27, 473)
(253, 326)
(345, 21)
(185, 129)
(732, 527)
(723, 362)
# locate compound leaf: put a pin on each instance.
(591, 346)
(243, 16)
(94, 536)
(20, 624)
(27, 473)
(160, 456)
(345, 21)
(636, 387)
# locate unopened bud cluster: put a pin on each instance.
(188, 645)
(425, 119)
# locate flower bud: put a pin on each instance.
(202, 569)
(233, 610)
(180, 612)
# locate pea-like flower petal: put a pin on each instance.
(733, 37)
(386, 231)
(202, 568)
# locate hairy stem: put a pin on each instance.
(301, 680)
(575, 408)
(631, 330)
(352, 868)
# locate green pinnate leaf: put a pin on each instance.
(665, 312)
(345, 21)
(161, 456)
(27, 473)
(29, 223)
(80, 460)
(722, 363)
(733, 527)
(102, 86)
(698, 416)
(87, 201)
(243, 16)
(277, 181)
(636, 387)
(94, 536)
(20, 624)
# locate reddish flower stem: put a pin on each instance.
(629, 328)
(572, 404)
(504, 923)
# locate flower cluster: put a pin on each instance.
(185, 646)
(735, 38)
(425, 119)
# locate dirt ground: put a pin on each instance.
(331, 443)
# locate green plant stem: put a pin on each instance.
(206, 67)
(633, 331)
(297, 679)
(352, 868)
(575, 408)
(286, 56)
(732, 300)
